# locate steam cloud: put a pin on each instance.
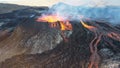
(107, 13)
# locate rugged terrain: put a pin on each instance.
(5, 8)
(24, 42)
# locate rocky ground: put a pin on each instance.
(5, 8)
(25, 43)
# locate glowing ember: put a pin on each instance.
(66, 26)
(50, 18)
(87, 26)
(54, 20)
(114, 35)
(94, 58)
(99, 31)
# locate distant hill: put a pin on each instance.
(5, 8)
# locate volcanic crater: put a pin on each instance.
(36, 43)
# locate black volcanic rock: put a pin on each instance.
(72, 54)
(6, 8)
(29, 37)
(24, 13)
(65, 55)
(12, 19)
(9, 20)
(27, 43)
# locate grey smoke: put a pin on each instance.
(107, 13)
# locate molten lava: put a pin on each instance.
(65, 25)
(100, 32)
(94, 58)
(114, 36)
(50, 18)
(54, 20)
(87, 26)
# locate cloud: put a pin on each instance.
(8, 0)
(71, 2)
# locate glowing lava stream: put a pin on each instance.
(97, 29)
(56, 21)
(94, 58)
(99, 32)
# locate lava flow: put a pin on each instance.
(54, 21)
(100, 32)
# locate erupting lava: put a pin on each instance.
(99, 33)
(87, 26)
(50, 18)
(54, 21)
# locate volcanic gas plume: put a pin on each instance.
(89, 35)
(98, 30)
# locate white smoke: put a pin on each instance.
(109, 14)
(86, 2)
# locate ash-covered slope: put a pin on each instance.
(63, 56)
(25, 40)
(29, 37)
(20, 33)
(9, 20)
(72, 54)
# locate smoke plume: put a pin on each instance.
(109, 14)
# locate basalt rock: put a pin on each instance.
(27, 43)
(72, 54)
(29, 37)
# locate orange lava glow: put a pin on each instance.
(114, 35)
(94, 58)
(53, 20)
(56, 21)
(50, 18)
(66, 26)
(87, 26)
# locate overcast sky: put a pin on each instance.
(72, 2)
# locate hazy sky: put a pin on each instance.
(72, 2)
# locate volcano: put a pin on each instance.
(50, 41)
(74, 53)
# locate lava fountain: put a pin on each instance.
(55, 22)
(100, 32)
